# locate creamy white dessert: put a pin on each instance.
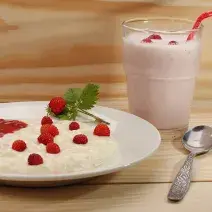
(98, 152)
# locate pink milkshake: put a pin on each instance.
(161, 70)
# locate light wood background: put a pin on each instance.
(47, 46)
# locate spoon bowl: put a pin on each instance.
(198, 140)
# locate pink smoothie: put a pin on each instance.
(161, 78)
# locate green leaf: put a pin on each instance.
(72, 95)
(73, 115)
(88, 97)
(63, 117)
(49, 112)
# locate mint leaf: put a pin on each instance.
(72, 95)
(73, 114)
(63, 117)
(49, 112)
(88, 97)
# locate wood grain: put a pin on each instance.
(44, 83)
(104, 198)
(55, 38)
(170, 2)
(70, 43)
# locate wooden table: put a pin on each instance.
(142, 187)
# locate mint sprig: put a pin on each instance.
(79, 100)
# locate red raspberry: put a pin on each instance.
(80, 139)
(155, 37)
(57, 105)
(74, 126)
(173, 42)
(146, 40)
(102, 130)
(35, 159)
(52, 148)
(45, 138)
(46, 120)
(19, 145)
(49, 128)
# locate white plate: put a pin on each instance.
(137, 139)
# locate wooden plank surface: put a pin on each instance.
(69, 43)
(61, 38)
(170, 2)
(104, 198)
(30, 83)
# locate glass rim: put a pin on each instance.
(125, 24)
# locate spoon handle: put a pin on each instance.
(182, 181)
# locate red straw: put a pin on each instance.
(198, 22)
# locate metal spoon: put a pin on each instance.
(197, 141)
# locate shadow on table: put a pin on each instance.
(52, 193)
(72, 198)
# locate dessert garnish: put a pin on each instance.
(74, 125)
(147, 40)
(46, 120)
(80, 139)
(155, 37)
(35, 159)
(52, 148)
(173, 42)
(49, 128)
(75, 101)
(57, 105)
(102, 130)
(45, 138)
(19, 145)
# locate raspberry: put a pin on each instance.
(46, 120)
(35, 159)
(155, 37)
(173, 42)
(19, 145)
(45, 138)
(49, 128)
(102, 130)
(74, 126)
(146, 40)
(52, 148)
(57, 105)
(80, 139)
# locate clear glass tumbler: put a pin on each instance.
(161, 66)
